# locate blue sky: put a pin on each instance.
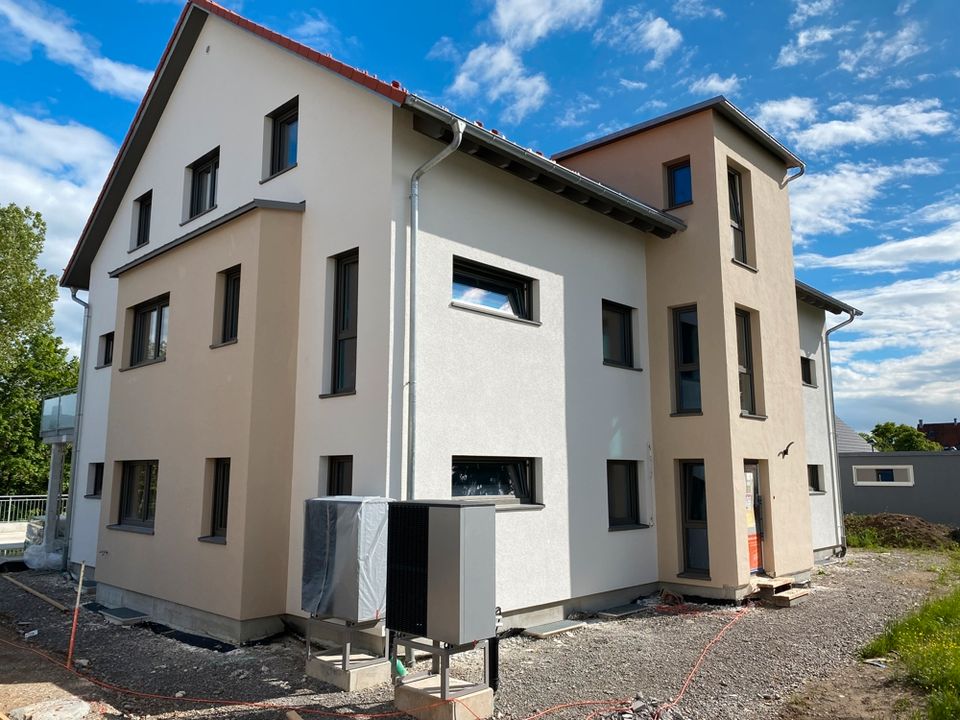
(865, 92)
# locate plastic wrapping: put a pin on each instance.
(345, 558)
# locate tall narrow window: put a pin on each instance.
(679, 184)
(283, 143)
(144, 205)
(345, 328)
(340, 475)
(95, 480)
(106, 350)
(687, 357)
(735, 188)
(807, 374)
(623, 494)
(138, 493)
(617, 334)
(150, 331)
(221, 497)
(203, 185)
(693, 496)
(748, 402)
(231, 305)
(815, 478)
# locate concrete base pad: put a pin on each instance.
(326, 666)
(421, 699)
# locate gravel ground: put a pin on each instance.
(761, 661)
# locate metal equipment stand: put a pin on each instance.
(346, 632)
(440, 663)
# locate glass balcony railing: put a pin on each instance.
(59, 415)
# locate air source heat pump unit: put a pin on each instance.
(441, 570)
(345, 558)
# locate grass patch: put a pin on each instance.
(928, 644)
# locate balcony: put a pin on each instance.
(58, 418)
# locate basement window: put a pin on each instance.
(507, 479)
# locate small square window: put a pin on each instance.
(497, 477)
(340, 475)
(284, 125)
(807, 372)
(231, 305)
(815, 478)
(490, 288)
(885, 475)
(617, 334)
(143, 204)
(203, 183)
(105, 354)
(221, 497)
(150, 322)
(679, 184)
(95, 480)
(623, 494)
(138, 493)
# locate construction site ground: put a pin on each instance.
(794, 663)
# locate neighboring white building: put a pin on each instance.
(248, 347)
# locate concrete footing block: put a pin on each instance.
(420, 698)
(366, 670)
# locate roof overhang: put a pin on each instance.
(720, 105)
(435, 121)
(811, 296)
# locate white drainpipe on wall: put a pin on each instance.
(458, 126)
(77, 423)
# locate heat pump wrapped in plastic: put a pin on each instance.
(345, 558)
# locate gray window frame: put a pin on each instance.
(200, 201)
(230, 322)
(138, 344)
(625, 331)
(345, 323)
(745, 362)
(680, 367)
(144, 205)
(672, 169)
(518, 288)
(631, 517)
(808, 371)
(144, 519)
(281, 119)
(526, 481)
(738, 228)
(220, 498)
(686, 475)
(340, 475)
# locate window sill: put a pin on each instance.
(198, 215)
(278, 173)
(138, 247)
(517, 507)
(101, 367)
(752, 416)
(494, 313)
(745, 266)
(610, 363)
(223, 344)
(810, 385)
(818, 492)
(681, 205)
(342, 393)
(91, 497)
(132, 528)
(621, 528)
(145, 363)
(687, 413)
(694, 576)
(213, 539)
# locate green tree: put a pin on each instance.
(33, 361)
(890, 437)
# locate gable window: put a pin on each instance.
(815, 478)
(623, 494)
(150, 331)
(735, 190)
(345, 325)
(807, 372)
(284, 122)
(617, 334)
(138, 493)
(221, 497)
(507, 478)
(231, 305)
(105, 351)
(340, 475)
(491, 289)
(95, 480)
(203, 183)
(679, 184)
(748, 402)
(144, 205)
(687, 359)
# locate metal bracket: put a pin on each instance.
(440, 663)
(347, 631)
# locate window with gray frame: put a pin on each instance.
(687, 359)
(221, 497)
(498, 477)
(340, 475)
(693, 499)
(748, 401)
(106, 350)
(150, 321)
(815, 478)
(807, 372)
(138, 493)
(144, 205)
(203, 183)
(623, 494)
(95, 480)
(617, 334)
(679, 184)
(491, 288)
(345, 322)
(283, 136)
(231, 305)
(735, 188)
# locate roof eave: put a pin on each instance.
(818, 299)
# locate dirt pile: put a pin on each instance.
(899, 531)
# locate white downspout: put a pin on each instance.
(77, 422)
(458, 127)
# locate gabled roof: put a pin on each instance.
(811, 296)
(484, 144)
(720, 105)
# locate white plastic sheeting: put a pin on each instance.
(345, 558)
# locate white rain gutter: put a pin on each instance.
(77, 424)
(458, 126)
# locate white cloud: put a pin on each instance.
(697, 9)
(632, 84)
(316, 30)
(637, 31)
(444, 49)
(893, 256)
(47, 27)
(497, 73)
(524, 23)
(713, 84)
(879, 52)
(574, 112)
(806, 9)
(904, 7)
(805, 47)
(833, 203)
(785, 116)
